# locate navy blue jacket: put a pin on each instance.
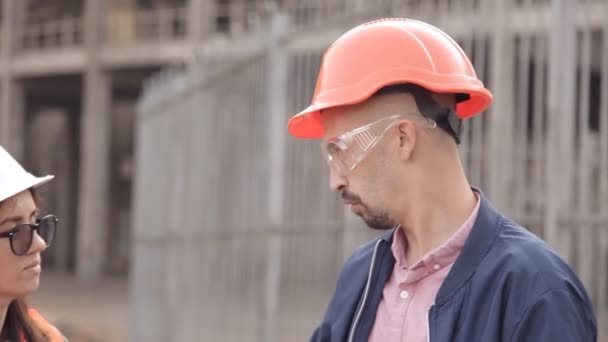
(506, 285)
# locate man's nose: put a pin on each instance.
(337, 181)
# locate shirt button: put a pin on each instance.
(404, 294)
(436, 267)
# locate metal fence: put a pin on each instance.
(236, 236)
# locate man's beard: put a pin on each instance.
(374, 218)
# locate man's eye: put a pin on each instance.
(335, 149)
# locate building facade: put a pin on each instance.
(71, 72)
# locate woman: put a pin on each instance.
(23, 236)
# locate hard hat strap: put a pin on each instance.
(445, 117)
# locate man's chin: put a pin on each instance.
(375, 224)
(376, 227)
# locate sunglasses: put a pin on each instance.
(22, 236)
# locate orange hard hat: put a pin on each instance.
(388, 52)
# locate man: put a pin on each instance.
(388, 105)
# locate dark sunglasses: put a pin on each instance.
(22, 236)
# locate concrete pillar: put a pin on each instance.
(196, 21)
(94, 154)
(207, 16)
(237, 17)
(12, 117)
(197, 24)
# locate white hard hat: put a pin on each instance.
(13, 177)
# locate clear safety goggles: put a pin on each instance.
(344, 152)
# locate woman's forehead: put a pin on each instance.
(21, 204)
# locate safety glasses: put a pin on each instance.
(344, 152)
(22, 236)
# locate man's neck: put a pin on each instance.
(435, 219)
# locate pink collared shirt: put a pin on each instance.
(411, 291)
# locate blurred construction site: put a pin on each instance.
(187, 211)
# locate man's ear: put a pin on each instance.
(407, 139)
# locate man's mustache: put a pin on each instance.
(350, 198)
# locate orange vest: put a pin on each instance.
(49, 330)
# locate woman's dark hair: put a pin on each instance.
(17, 323)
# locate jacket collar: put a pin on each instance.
(484, 232)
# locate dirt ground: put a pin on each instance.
(84, 311)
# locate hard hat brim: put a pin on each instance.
(308, 124)
(23, 184)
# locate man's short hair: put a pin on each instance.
(445, 117)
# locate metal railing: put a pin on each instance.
(53, 34)
(238, 16)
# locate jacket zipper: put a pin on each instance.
(428, 325)
(367, 285)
